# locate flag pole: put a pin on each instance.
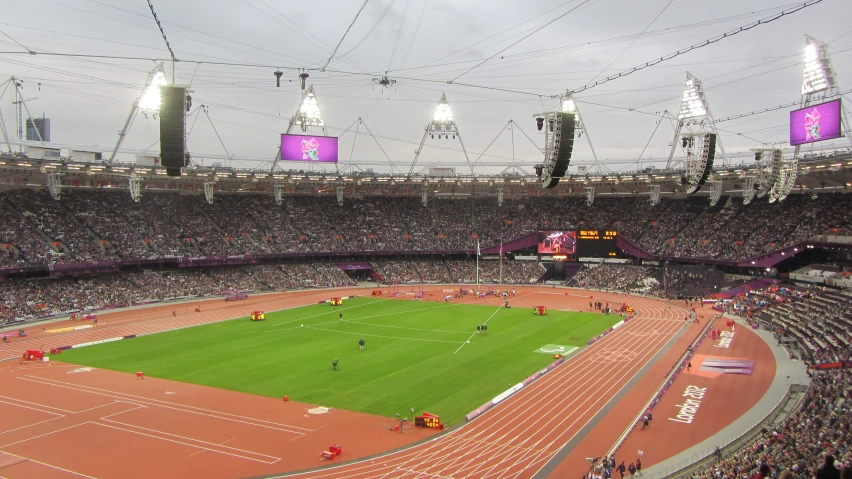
(477, 263)
(501, 261)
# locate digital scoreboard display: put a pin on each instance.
(597, 243)
(315, 149)
(557, 242)
(815, 123)
(428, 420)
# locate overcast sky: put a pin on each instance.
(88, 99)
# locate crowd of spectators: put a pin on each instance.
(403, 272)
(682, 281)
(103, 224)
(801, 443)
(752, 302)
(433, 271)
(23, 300)
(619, 277)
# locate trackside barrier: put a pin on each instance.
(92, 343)
(664, 387)
(512, 390)
(613, 328)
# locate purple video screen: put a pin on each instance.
(815, 123)
(315, 149)
(557, 242)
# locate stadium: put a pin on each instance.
(598, 289)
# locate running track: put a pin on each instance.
(513, 440)
(517, 438)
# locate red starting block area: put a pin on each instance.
(540, 310)
(376, 292)
(333, 451)
(257, 316)
(336, 301)
(33, 355)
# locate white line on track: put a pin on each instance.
(170, 405)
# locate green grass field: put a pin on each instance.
(410, 360)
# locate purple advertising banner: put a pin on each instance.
(354, 266)
(815, 123)
(316, 149)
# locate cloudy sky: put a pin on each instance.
(506, 59)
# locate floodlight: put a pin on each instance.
(692, 103)
(569, 106)
(817, 73)
(310, 108)
(150, 99)
(443, 114)
(539, 123)
(309, 113)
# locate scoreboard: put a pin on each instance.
(428, 420)
(597, 243)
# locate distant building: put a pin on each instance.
(36, 126)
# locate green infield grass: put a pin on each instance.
(416, 355)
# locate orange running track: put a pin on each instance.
(514, 439)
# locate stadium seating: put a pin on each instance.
(620, 277)
(100, 224)
(800, 442)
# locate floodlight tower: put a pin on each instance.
(148, 102)
(818, 84)
(307, 115)
(697, 134)
(442, 124)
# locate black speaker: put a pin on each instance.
(708, 156)
(563, 150)
(173, 128)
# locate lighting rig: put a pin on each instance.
(590, 195)
(208, 191)
(308, 115)
(444, 125)
(54, 185)
(818, 84)
(135, 187)
(148, 103)
(697, 136)
(654, 194)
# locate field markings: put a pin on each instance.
(360, 321)
(49, 465)
(193, 445)
(381, 336)
(327, 312)
(169, 405)
(542, 387)
(476, 332)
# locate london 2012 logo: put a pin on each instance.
(812, 125)
(310, 149)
